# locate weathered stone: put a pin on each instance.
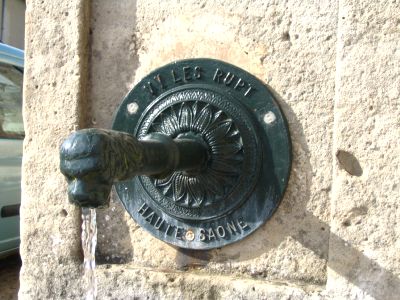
(54, 98)
(279, 45)
(315, 56)
(143, 283)
(364, 256)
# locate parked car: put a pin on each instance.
(11, 139)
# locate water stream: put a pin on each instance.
(89, 240)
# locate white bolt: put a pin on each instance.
(269, 118)
(189, 235)
(132, 108)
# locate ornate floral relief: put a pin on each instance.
(221, 135)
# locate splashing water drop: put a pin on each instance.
(89, 240)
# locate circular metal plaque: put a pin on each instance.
(249, 153)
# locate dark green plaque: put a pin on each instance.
(237, 119)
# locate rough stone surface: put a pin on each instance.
(54, 93)
(143, 283)
(289, 48)
(334, 67)
(364, 256)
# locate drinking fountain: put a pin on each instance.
(199, 154)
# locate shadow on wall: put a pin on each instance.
(290, 220)
(114, 245)
(106, 66)
(344, 259)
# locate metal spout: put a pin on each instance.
(93, 159)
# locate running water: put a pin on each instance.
(89, 240)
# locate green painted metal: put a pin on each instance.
(93, 159)
(200, 155)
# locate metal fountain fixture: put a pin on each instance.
(199, 154)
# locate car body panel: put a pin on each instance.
(10, 187)
(10, 146)
(11, 55)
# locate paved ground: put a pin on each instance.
(9, 271)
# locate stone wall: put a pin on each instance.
(334, 69)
